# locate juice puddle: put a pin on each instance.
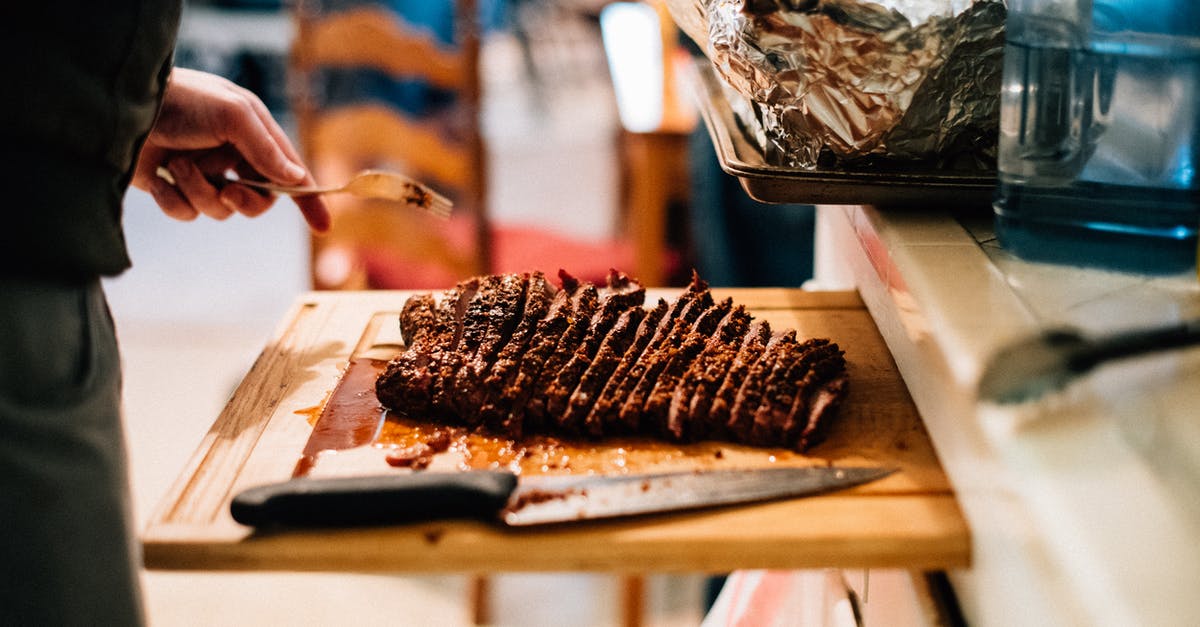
(353, 417)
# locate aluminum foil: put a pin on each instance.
(855, 82)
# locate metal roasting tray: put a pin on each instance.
(913, 189)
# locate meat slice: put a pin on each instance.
(781, 387)
(622, 296)
(417, 318)
(630, 334)
(623, 290)
(514, 398)
(677, 362)
(585, 307)
(702, 377)
(398, 385)
(821, 407)
(817, 395)
(406, 384)
(475, 327)
(544, 310)
(522, 298)
(726, 391)
(741, 414)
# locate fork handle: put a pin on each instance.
(290, 190)
(284, 189)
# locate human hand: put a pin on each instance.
(206, 127)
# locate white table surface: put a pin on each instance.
(1084, 505)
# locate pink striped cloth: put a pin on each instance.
(782, 598)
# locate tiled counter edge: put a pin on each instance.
(1039, 554)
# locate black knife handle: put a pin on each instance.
(380, 499)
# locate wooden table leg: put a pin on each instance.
(655, 175)
(480, 589)
(633, 600)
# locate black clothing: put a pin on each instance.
(70, 555)
(85, 80)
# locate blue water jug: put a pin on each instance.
(1100, 133)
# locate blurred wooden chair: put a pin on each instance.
(378, 245)
(642, 46)
(437, 141)
(375, 245)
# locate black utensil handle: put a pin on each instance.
(1137, 342)
(378, 499)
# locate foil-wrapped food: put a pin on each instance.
(855, 82)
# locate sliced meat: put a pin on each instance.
(825, 364)
(639, 379)
(624, 291)
(604, 367)
(417, 318)
(585, 307)
(658, 399)
(702, 377)
(515, 355)
(808, 364)
(516, 397)
(821, 408)
(654, 361)
(407, 383)
(622, 296)
(474, 328)
(741, 415)
(726, 392)
(540, 320)
(781, 387)
(605, 414)
(502, 319)
(569, 410)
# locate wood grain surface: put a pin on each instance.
(908, 520)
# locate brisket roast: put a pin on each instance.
(513, 354)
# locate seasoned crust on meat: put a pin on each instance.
(515, 355)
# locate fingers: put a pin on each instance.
(258, 151)
(315, 212)
(278, 135)
(193, 193)
(208, 124)
(170, 200)
(201, 194)
(251, 130)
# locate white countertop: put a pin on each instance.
(1085, 505)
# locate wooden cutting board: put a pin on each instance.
(908, 520)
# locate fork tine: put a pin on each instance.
(439, 205)
(440, 210)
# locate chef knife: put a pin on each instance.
(521, 501)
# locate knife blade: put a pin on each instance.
(505, 498)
